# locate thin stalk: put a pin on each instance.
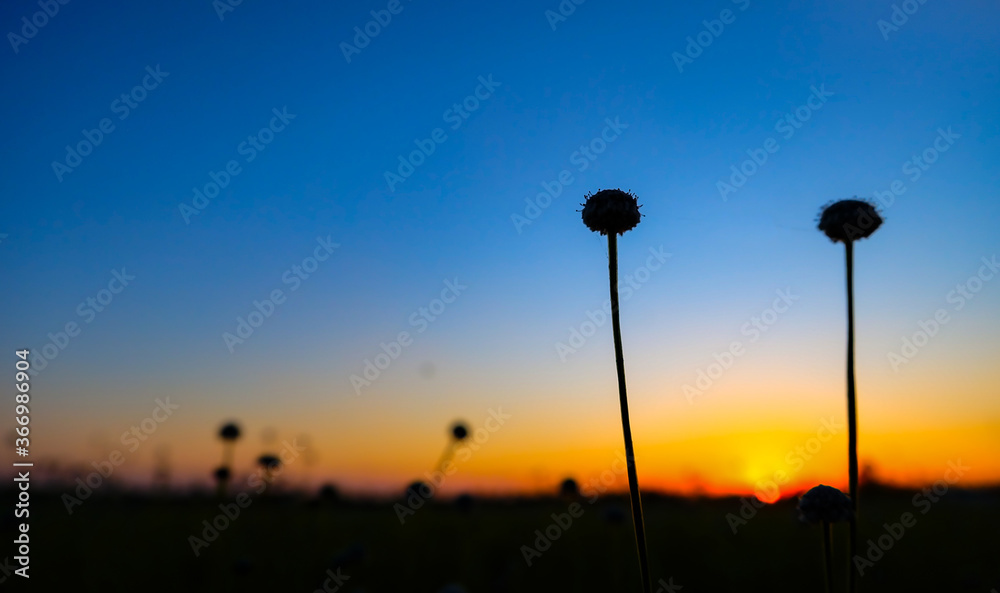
(227, 453)
(852, 419)
(221, 489)
(633, 480)
(828, 556)
(446, 456)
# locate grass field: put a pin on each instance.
(129, 543)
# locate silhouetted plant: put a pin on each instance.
(568, 488)
(459, 431)
(222, 474)
(419, 489)
(826, 505)
(229, 433)
(271, 464)
(612, 212)
(329, 493)
(845, 222)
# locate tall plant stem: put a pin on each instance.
(828, 556)
(633, 481)
(852, 418)
(445, 457)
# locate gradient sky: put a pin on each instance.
(888, 96)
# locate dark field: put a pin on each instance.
(283, 544)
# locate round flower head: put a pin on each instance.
(420, 490)
(849, 220)
(269, 462)
(569, 488)
(611, 211)
(459, 431)
(222, 474)
(824, 503)
(229, 432)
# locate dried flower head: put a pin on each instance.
(460, 431)
(569, 488)
(229, 431)
(222, 474)
(824, 503)
(269, 462)
(611, 211)
(420, 490)
(849, 220)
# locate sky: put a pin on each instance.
(235, 210)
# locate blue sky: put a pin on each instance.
(323, 175)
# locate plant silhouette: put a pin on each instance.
(845, 222)
(612, 212)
